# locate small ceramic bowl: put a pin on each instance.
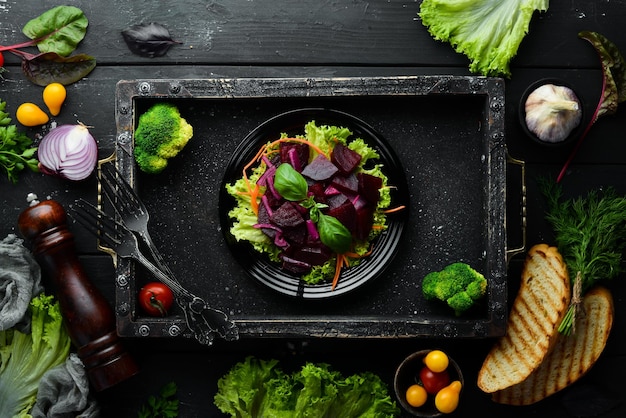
(574, 134)
(407, 374)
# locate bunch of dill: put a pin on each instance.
(590, 233)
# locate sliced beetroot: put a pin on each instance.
(287, 216)
(369, 187)
(318, 191)
(364, 222)
(263, 218)
(320, 169)
(273, 201)
(345, 159)
(331, 190)
(292, 265)
(346, 214)
(346, 184)
(294, 153)
(336, 200)
(296, 235)
(313, 255)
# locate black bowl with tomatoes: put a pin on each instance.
(413, 371)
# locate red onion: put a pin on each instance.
(68, 151)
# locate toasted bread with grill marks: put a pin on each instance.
(571, 357)
(537, 310)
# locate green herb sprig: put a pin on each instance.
(165, 405)
(16, 150)
(590, 233)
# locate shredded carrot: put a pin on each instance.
(254, 194)
(396, 209)
(341, 261)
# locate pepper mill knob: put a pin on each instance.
(89, 318)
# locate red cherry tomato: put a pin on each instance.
(156, 299)
(1, 60)
(434, 381)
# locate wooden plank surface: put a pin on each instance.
(310, 38)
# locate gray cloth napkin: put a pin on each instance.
(64, 392)
(20, 281)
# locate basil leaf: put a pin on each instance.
(148, 40)
(334, 234)
(50, 67)
(63, 27)
(289, 183)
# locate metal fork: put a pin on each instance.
(132, 212)
(130, 209)
(203, 320)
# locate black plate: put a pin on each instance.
(270, 274)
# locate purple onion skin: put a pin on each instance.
(69, 152)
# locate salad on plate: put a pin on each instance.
(315, 202)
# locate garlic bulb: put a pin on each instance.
(552, 112)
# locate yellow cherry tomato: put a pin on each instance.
(53, 96)
(447, 399)
(437, 361)
(416, 395)
(29, 114)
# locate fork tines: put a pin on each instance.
(114, 185)
(96, 221)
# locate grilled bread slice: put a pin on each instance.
(537, 310)
(571, 357)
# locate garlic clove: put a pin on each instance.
(552, 112)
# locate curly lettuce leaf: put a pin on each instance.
(258, 388)
(325, 137)
(488, 32)
(242, 389)
(27, 357)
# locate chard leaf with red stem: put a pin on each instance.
(613, 85)
(58, 30)
(50, 67)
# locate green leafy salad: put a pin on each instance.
(312, 202)
(260, 389)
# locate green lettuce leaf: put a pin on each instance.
(242, 390)
(27, 357)
(325, 137)
(488, 32)
(258, 388)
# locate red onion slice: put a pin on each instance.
(68, 151)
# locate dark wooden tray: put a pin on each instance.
(448, 133)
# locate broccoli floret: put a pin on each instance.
(160, 135)
(459, 285)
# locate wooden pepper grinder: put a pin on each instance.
(88, 316)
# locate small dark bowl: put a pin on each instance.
(574, 134)
(407, 374)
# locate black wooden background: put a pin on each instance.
(328, 38)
